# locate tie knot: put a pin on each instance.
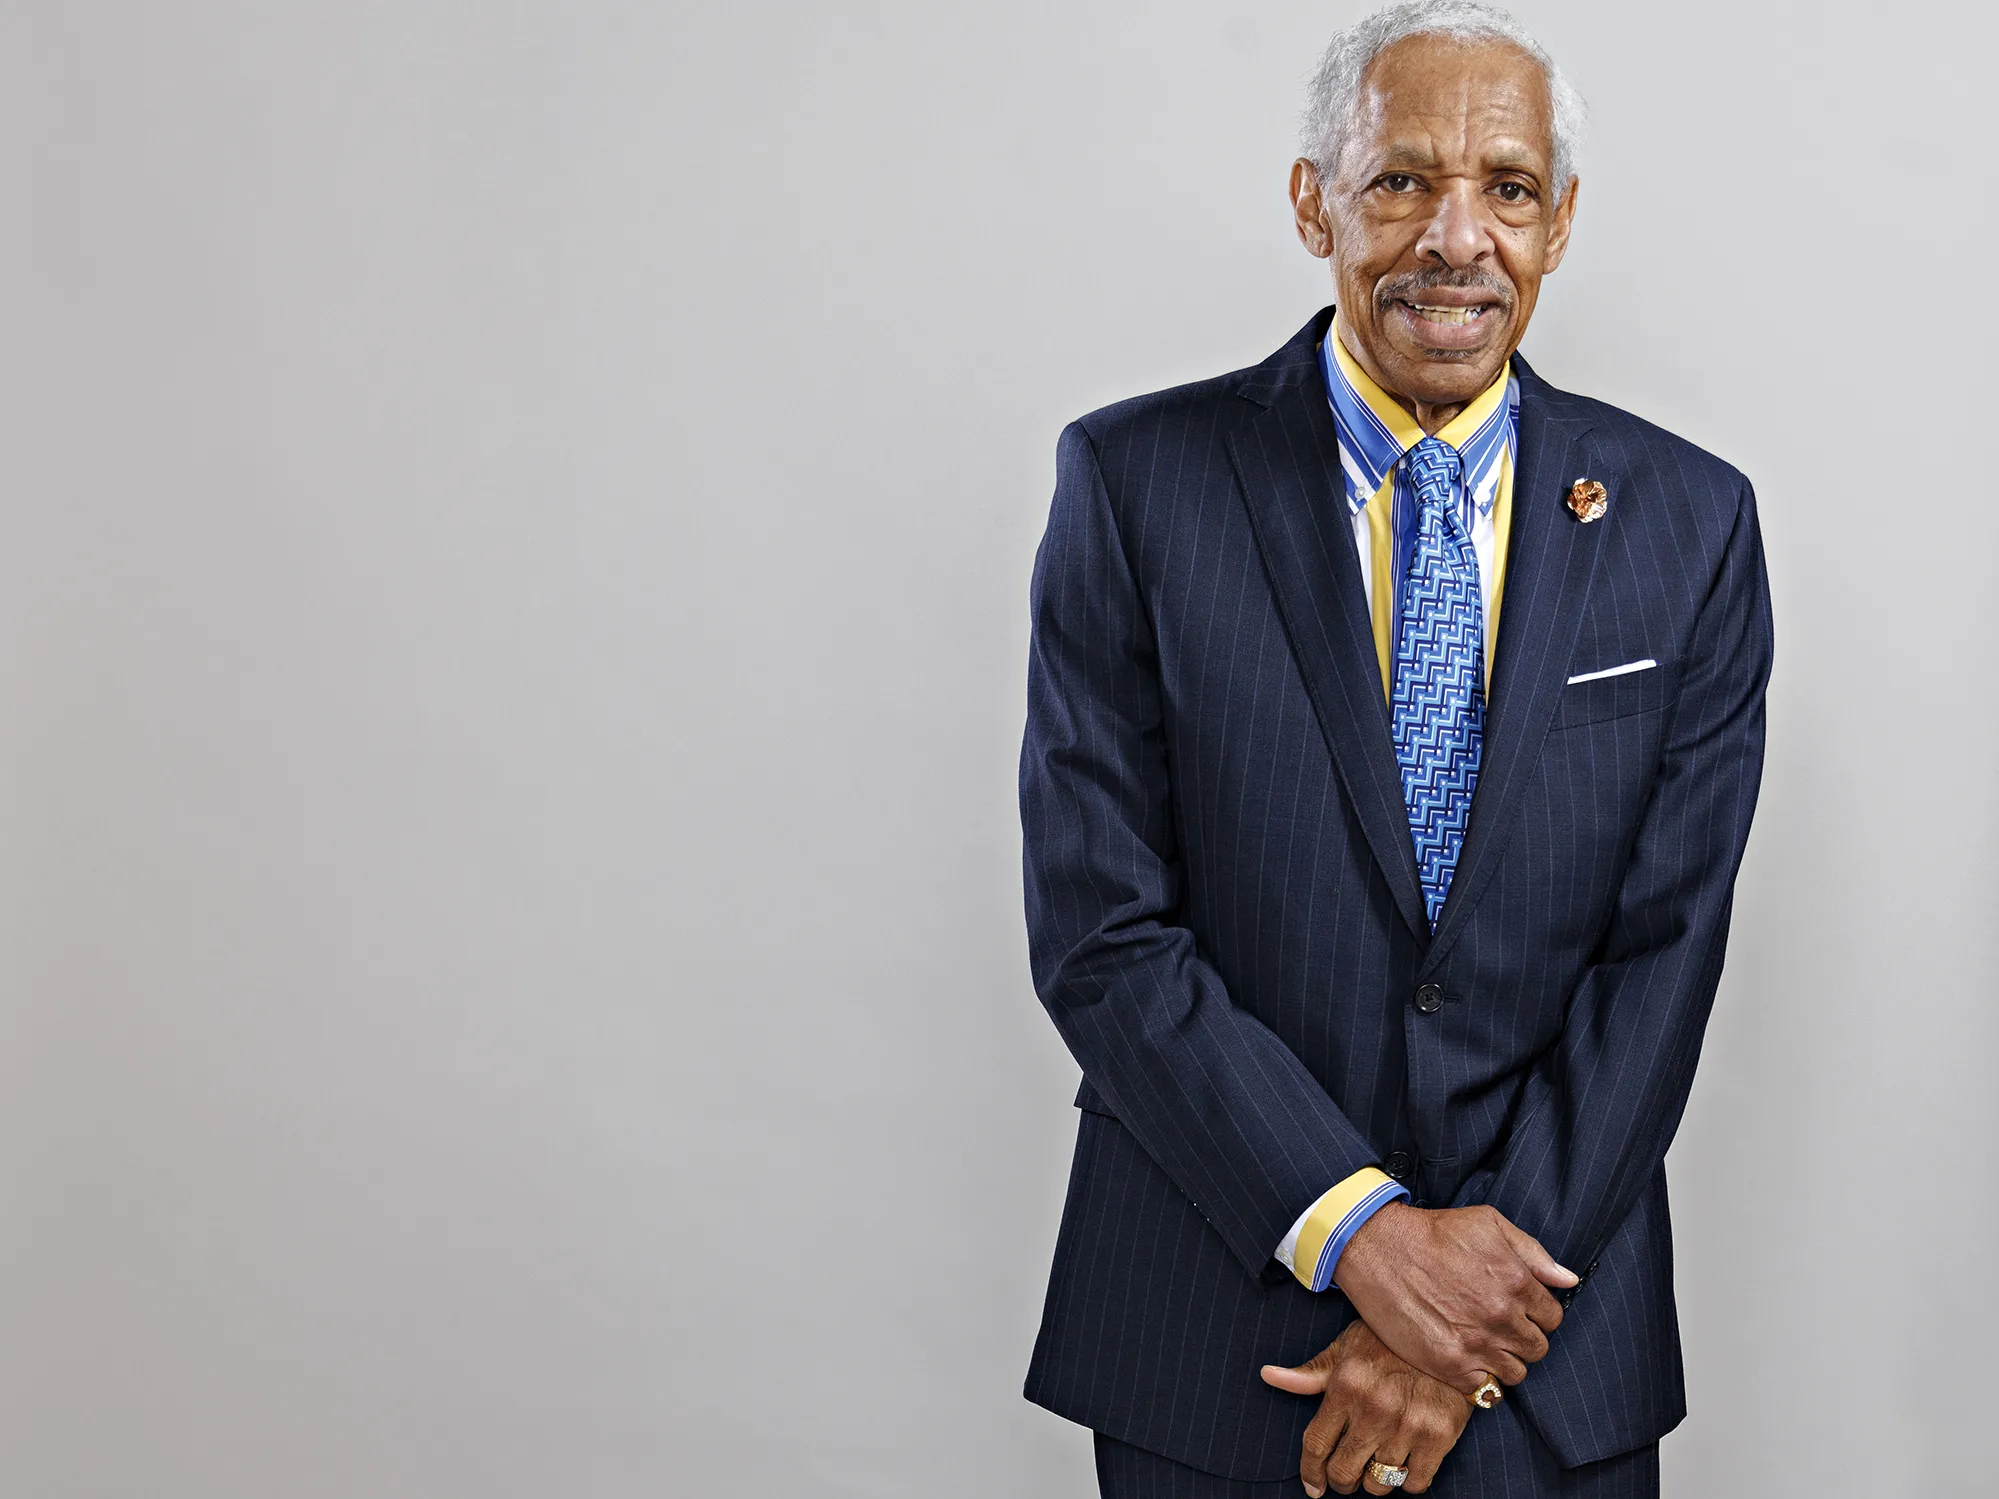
(1436, 470)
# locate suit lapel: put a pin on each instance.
(1551, 559)
(1287, 461)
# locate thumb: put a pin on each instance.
(1309, 1378)
(1539, 1261)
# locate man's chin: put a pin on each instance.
(1440, 381)
(1457, 351)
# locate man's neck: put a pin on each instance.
(1432, 419)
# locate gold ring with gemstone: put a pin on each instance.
(1387, 1475)
(1487, 1395)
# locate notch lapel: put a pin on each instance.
(1551, 560)
(1287, 462)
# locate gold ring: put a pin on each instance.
(1487, 1395)
(1387, 1475)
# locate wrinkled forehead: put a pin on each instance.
(1431, 99)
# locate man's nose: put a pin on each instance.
(1459, 233)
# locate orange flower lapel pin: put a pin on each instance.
(1588, 499)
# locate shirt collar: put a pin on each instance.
(1374, 431)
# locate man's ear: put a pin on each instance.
(1308, 209)
(1558, 237)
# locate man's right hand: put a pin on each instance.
(1458, 1292)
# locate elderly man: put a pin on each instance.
(1395, 724)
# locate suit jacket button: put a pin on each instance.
(1429, 999)
(1398, 1164)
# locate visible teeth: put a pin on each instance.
(1445, 314)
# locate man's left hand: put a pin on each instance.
(1375, 1407)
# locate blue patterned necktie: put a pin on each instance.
(1437, 710)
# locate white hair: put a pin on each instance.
(1335, 90)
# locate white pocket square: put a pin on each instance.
(1614, 671)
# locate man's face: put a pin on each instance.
(1440, 222)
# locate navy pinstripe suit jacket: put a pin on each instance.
(1226, 925)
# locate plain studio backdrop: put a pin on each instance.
(512, 629)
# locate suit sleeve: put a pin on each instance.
(1210, 1092)
(1602, 1105)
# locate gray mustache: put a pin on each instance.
(1471, 278)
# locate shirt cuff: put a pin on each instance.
(1312, 1249)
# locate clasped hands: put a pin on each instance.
(1446, 1297)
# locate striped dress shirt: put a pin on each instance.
(1374, 434)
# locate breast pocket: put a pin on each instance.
(1621, 696)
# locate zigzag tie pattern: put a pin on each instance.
(1437, 708)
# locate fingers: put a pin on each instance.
(1423, 1463)
(1506, 1345)
(1528, 1342)
(1377, 1408)
(1435, 1421)
(1306, 1379)
(1320, 1439)
(1525, 1283)
(1523, 1339)
(1361, 1391)
(1538, 1260)
(1363, 1439)
(1542, 1309)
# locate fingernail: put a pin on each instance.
(1315, 1493)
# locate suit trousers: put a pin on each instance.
(1499, 1457)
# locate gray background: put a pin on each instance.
(517, 520)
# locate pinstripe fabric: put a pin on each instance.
(1499, 1457)
(1226, 926)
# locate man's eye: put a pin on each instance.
(1513, 192)
(1398, 182)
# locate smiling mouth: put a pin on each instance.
(1452, 316)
